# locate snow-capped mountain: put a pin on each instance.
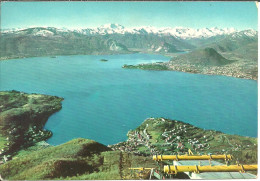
(115, 38)
(187, 33)
(248, 33)
(177, 32)
(43, 33)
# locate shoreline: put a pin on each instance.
(34, 111)
(245, 78)
(154, 67)
(137, 66)
(50, 56)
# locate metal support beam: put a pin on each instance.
(141, 168)
(218, 168)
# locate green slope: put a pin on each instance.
(76, 159)
(22, 118)
(151, 138)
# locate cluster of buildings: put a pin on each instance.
(234, 70)
(174, 139)
(32, 136)
(137, 139)
(178, 137)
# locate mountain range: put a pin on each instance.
(114, 38)
(206, 46)
(177, 32)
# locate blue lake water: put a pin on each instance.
(103, 101)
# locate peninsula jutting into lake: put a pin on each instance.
(79, 158)
(128, 90)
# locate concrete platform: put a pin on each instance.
(213, 175)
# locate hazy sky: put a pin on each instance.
(240, 15)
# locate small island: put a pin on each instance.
(103, 60)
(152, 66)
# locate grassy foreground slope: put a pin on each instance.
(76, 159)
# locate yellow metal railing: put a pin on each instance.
(191, 157)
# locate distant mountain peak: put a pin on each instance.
(248, 33)
(112, 26)
(206, 57)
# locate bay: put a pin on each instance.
(103, 102)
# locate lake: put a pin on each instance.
(103, 102)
